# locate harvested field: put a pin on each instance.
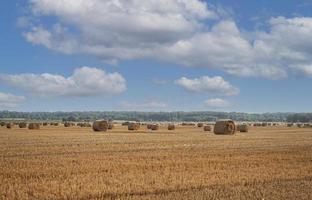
(187, 163)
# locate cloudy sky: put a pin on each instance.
(156, 55)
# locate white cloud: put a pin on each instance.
(216, 103)
(148, 105)
(85, 81)
(10, 100)
(213, 85)
(173, 31)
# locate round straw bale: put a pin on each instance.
(238, 127)
(34, 126)
(243, 128)
(133, 126)
(110, 125)
(171, 127)
(9, 125)
(290, 124)
(200, 125)
(155, 127)
(125, 123)
(22, 125)
(224, 127)
(100, 125)
(207, 128)
(69, 124)
(149, 126)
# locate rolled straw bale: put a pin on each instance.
(22, 125)
(133, 126)
(207, 128)
(171, 127)
(224, 127)
(155, 127)
(9, 125)
(200, 125)
(100, 125)
(243, 128)
(111, 125)
(34, 126)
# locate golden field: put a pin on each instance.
(187, 163)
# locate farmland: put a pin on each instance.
(187, 163)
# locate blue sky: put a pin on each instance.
(249, 56)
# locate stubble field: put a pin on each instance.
(188, 163)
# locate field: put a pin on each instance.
(76, 163)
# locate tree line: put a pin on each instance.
(156, 116)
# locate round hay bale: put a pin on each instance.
(34, 126)
(224, 127)
(9, 125)
(200, 125)
(125, 123)
(243, 128)
(22, 125)
(69, 124)
(100, 125)
(171, 127)
(207, 128)
(149, 126)
(133, 126)
(238, 127)
(111, 125)
(155, 127)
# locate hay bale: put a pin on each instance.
(149, 126)
(22, 125)
(200, 125)
(34, 126)
(69, 124)
(111, 125)
(100, 125)
(237, 127)
(188, 124)
(243, 128)
(171, 127)
(207, 128)
(133, 126)
(9, 125)
(125, 123)
(224, 127)
(155, 127)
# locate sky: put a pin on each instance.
(156, 55)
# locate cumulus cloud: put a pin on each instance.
(216, 103)
(147, 105)
(174, 31)
(10, 100)
(85, 81)
(213, 85)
